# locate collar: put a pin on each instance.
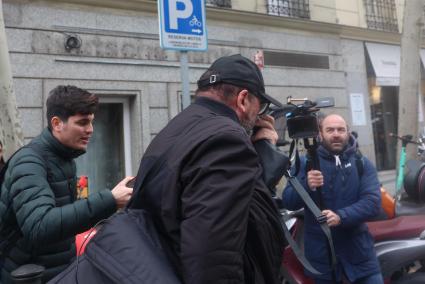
(217, 107)
(57, 147)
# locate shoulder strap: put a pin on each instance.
(308, 167)
(359, 163)
(297, 250)
(321, 219)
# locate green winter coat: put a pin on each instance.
(40, 202)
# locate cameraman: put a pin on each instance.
(349, 197)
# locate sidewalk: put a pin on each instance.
(388, 180)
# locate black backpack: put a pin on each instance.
(126, 249)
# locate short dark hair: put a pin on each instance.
(66, 101)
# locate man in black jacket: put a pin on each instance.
(39, 213)
(215, 216)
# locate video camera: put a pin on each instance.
(301, 119)
(301, 122)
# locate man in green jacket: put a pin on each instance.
(38, 205)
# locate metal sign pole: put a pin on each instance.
(183, 28)
(184, 69)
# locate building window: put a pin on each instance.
(381, 15)
(219, 3)
(108, 157)
(289, 8)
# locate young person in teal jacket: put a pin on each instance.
(39, 211)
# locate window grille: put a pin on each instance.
(219, 3)
(289, 8)
(381, 15)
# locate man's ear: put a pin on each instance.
(56, 123)
(242, 101)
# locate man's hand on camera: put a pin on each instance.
(122, 193)
(332, 218)
(314, 179)
(265, 125)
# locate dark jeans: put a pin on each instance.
(371, 279)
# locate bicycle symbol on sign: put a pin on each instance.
(195, 22)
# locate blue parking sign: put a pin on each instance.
(182, 24)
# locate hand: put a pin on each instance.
(266, 130)
(332, 218)
(314, 179)
(122, 193)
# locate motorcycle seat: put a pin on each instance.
(401, 227)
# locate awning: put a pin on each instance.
(385, 60)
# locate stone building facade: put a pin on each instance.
(117, 56)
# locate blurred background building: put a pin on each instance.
(347, 49)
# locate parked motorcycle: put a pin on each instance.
(399, 242)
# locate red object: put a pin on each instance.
(259, 59)
(81, 240)
(398, 228)
(83, 181)
(294, 268)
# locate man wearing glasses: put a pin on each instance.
(216, 218)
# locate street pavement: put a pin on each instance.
(388, 180)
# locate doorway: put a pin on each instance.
(108, 156)
(384, 112)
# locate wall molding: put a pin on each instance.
(246, 17)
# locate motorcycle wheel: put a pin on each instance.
(414, 278)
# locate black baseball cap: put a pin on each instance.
(239, 71)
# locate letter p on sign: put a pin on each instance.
(177, 13)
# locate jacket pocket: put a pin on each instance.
(360, 248)
(315, 248)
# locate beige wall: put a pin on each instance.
(245, 5)
(343, 12)
(323, 11)
(350, 13)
